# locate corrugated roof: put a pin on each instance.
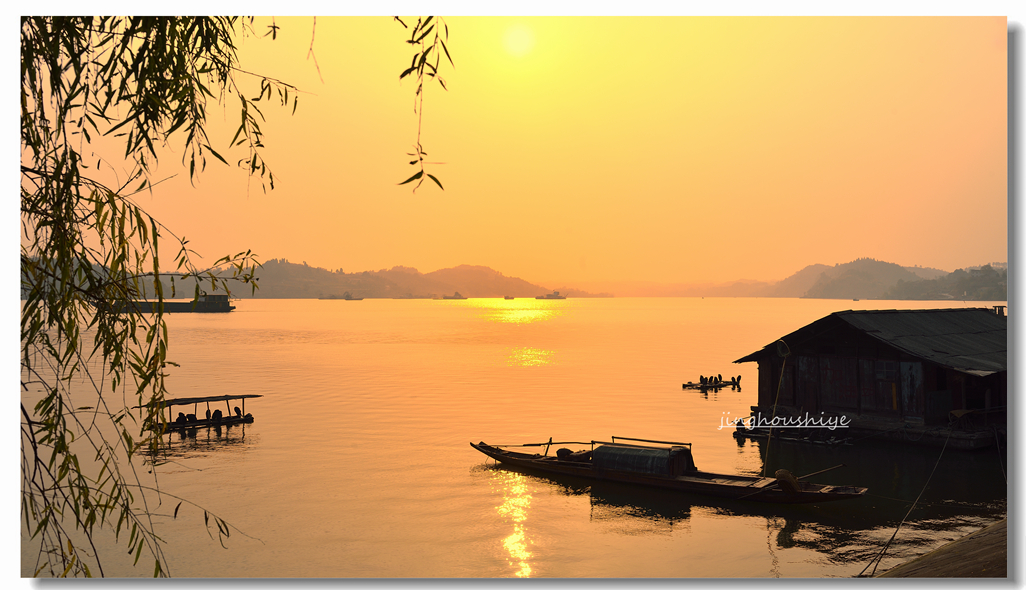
(973, 341)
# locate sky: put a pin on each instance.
(590, 150)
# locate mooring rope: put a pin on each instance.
(997, 443)
(880, 555)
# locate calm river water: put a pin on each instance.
(358, 463)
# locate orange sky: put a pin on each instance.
(624, 148)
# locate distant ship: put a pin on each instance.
(202, 304)
(552, 295)
(508, 297)
(347, 296)
(456, 296)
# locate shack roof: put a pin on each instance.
(201, 400)
(973, 341)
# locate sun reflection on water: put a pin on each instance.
(515, 502)
(530, 357)
(516, 311)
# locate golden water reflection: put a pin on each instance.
(516, 311)
(530, 357)
(516, 500)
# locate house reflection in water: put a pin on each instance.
(515, 502)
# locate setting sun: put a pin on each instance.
(519, 40)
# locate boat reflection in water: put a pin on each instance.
(190, 442)
(516, 500)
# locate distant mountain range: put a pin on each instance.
(281, 279)
(864, 278)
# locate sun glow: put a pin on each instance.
(519, 40)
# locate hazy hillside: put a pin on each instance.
(800, 282)
(974, 284)
(281, 279)
(864, 278)
(481, 281)
(924, 272)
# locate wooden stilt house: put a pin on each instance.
(925, 375)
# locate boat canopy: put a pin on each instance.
(672, 461)
(189, 401)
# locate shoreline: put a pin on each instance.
(980, 554)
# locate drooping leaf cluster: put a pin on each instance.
(427, 37)
(95, 90)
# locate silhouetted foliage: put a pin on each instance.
(138, 84)
(427, 37)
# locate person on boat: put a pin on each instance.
(217, 415)
(238, 412)
(190, 417)
(180, 419)
(208, 414)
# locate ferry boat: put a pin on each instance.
(552, 295)
(203, 304)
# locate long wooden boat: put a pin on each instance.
(671, 467)
(202, 304)
(217, 418)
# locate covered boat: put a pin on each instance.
(671, 467)
(215, 418)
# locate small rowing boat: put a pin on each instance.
(671, 467)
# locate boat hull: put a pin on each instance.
(737, 487)
(193, 306)
(208, 423)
